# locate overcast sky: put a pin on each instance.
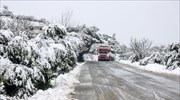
(156, 20)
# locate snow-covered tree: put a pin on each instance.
(88, 36)
(124, 52)
(140, 48)
(5, 12)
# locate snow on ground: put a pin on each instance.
(63, 86)
(90, 57)
(153, 67)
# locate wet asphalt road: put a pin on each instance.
(116, 81)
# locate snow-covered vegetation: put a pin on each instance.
(63, 86)
(169, 56)
(107, 41)
(30, 62)
(7, 13)
(19, 24)
(88, 35)
(141, 51)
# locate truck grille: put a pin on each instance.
(102, 56)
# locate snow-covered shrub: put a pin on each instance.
(73, 29)
(5, 36)
(18, 26)
(35, 62)
(154, 58)
(20, 52)
(17, 80)
(88, 36)
(169, 57)
(125, 56)
(5, 12)
(1, 86)
(74, 40)
(162, 55)
(28, 18)
(19, 23)
(172, 58)
(57, 51)
(2, 50)
(2, 24)
(55, 32)
(32, 63)
(140, 48)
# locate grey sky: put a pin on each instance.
(156, 20)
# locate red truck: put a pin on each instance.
(104, 53)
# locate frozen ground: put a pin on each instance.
(153, 67)
(63, 86)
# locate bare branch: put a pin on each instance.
(140, 47)
(66, 18)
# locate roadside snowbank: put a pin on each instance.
(63, 86)
(90, 57)
(153, 67)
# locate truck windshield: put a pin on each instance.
(103, 50)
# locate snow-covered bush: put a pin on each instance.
(154, 58)
(88, 36)
(74, 39)
(19, 52)
(56, 56)
(19, 23)
(34, 62)
(17, 80)
(125, 53)
(172, 58)
(2, 24)
(140, 48)
(5, 36)
(5, 12)
(1, 86)
(169, 57)
(29, 64)
(55, 32)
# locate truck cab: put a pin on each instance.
(104, 53)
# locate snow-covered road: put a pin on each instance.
(116, 81)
